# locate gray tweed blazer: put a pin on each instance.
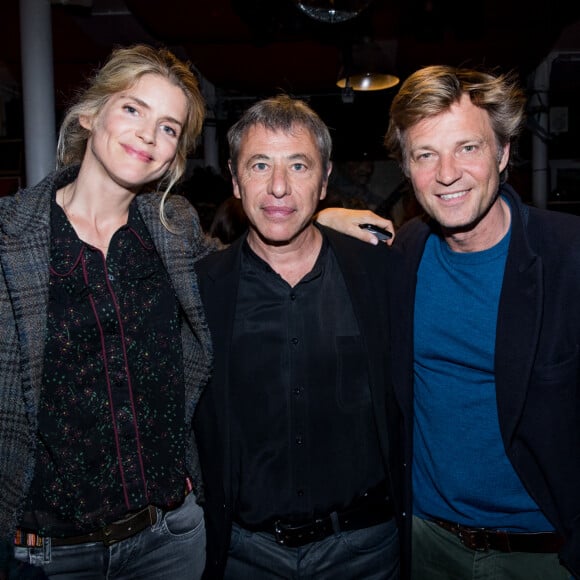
(24, 268)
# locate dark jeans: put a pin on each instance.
(172, 549)
(440, 555)
(369, 554)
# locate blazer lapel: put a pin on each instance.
(402, 311)
(366, 293)
(219, 282)
(518, 325)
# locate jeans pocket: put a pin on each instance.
(382, 536)
(185, 519)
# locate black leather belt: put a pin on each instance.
(483, 539)
(108, 535)
(369, 510)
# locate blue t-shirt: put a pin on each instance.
(460, 469)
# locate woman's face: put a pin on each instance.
(134, 138)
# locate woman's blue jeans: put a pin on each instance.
(172, 549)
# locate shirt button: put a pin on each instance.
(294, 340)
(298, 391)
(300, 493)
(292, 296)
(299, 440)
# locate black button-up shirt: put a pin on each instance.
(111, 419)
(304, 437)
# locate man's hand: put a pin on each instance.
(348, 221)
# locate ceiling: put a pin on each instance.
(252, 48)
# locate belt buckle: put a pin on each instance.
(107, 536)
(282, 533)
(295, 536)
(279, 533)
(474, 538)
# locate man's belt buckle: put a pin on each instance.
(291, 536)
(279, 532)
(474, 538)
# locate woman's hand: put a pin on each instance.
(348, 221)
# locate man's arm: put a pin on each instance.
(348, 221)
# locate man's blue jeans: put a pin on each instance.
(172, 549)
(369, 554)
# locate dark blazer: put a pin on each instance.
(537, 359)
(24, 278)
(366, 270)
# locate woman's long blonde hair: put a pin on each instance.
(123, 69)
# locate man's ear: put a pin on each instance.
(235, 186)
(505, 157)
(325, 182)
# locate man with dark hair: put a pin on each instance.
(292, 430)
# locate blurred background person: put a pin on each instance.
(206, 189)
(230, 221)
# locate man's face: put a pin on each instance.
(280, 181)
(454, 165)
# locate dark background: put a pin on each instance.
(248, 49)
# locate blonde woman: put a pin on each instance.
(104, 347)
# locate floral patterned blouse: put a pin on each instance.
(111, 434)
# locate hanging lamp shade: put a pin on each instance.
(368, 81)
(368, 66)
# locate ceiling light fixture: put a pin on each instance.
(365, 65)
(332, 11)
(368, 81)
